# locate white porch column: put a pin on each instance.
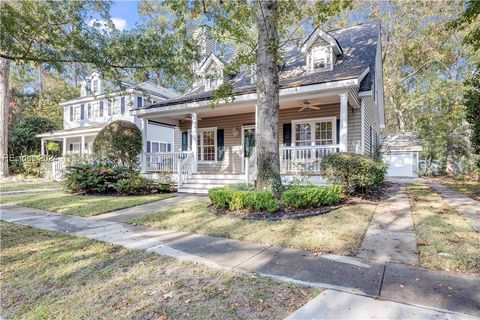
(194, 141)
(343, 122)
(42, 147)
(82, 146)
(144, 144)
(64, 147)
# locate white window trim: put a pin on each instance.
(312, 122)
(161, 142)
(200, 131)
(329, 67)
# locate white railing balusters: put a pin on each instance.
(185, 169)
(164, 161)
(299, 158)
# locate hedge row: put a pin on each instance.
(299, 197)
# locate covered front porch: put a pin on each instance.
(221, 140)
(72, 141)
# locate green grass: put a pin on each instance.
(47, 275)
(440, 229)
(80, 205)
(14, 186)
(340, 231)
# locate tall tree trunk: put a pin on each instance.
(449, 150)
(40, 86)
(4, 106)
(267, 109)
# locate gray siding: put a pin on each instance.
(232, 162)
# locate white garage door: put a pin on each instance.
(402, 164)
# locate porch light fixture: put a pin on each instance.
(235, 131)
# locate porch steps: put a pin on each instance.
(201, 183)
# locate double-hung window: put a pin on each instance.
(109, 103)
(77, 113)
(321, 58)
(100, 109)
(89, 111)
(116, 106)
(155, 146)
(122, 105)
(314, 132)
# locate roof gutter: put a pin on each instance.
(285, 94)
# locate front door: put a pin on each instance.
(248, 142)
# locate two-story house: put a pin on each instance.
(331, 100)
(100, 104)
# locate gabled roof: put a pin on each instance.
(401, 141)
(359, 46)
(319, 33)
(209, 60)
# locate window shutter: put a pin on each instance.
(82, 112)
(338, 131)
(287, 134)
(71, 113)
(220, 144)
(184, 141)
(148, 147)
(71, 147)
(122, 105)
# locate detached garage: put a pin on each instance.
(401, 151)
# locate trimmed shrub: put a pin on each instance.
(233, 200)
(119, 142)
(135, 185)
(312, 196)
(357, 173)
(95, 178)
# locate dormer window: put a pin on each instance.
(212, 72)
(212, 83)
(95, 86)
(321, 59)
(321, 50)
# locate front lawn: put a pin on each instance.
(47, 275)
(14, 186)
(80, 205)
(340, 231)
(445, 240)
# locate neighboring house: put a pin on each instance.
(401, 151)
(331, 100)
(100, 104)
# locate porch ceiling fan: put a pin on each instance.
(307, 105)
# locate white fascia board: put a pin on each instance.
(325, 36)
(365, 93)
(97, 97)
(73, 133)
(211, 58)
(285, 94)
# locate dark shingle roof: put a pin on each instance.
(359, 44)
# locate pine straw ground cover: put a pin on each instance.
(446, 241)
(47, 275)
(339, 231)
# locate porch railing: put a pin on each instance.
(164, 161)
(304, 158)
(251, 168)
(185, 169)
(58, 169)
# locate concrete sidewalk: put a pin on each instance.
(148, 208)
(395, 282)
(390, 236)
(469, 208)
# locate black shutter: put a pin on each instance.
(71, 147)
(71, 113)
(148, 147)
(287, 134)
(82, 112)
(338, 131)
(220, 144)
(184, 141)
(122, 105)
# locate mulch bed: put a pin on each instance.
(283, 213)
